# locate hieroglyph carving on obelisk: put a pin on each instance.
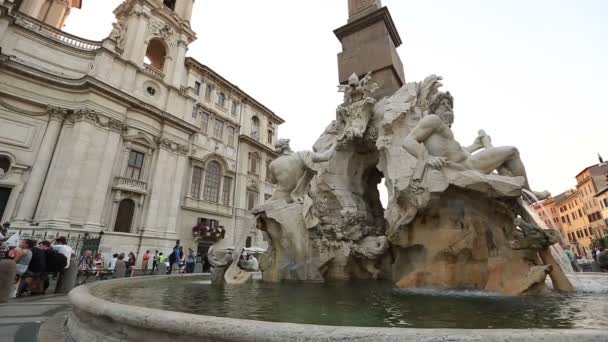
(357, 6)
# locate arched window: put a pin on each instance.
(255, 128)
(155, 54)
(212, 182)
(124, 217)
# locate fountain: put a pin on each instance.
(458, 249)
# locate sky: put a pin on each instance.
(530, 73)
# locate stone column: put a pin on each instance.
(135, 47)
(34, 184)
(154, 188)
(104, 176)
(176, 67)
(83, 127)
(32, 8)
(57, 13)
(177, 193)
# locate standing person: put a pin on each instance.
(572, 258)
(112, 264)
(33, 280)
(22, 257)
(85, 267)
(172, 259)
(61, 246)
(181, 260)
(4, 232)
(155, 261)
(602, 259)
(120, 267)
(190, 261)
(132, 264)
(98, 263)
(161, 267)
(144, 263)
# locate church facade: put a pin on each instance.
(126, 136)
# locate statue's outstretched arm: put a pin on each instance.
(320, 157)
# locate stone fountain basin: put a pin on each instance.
(93, 319)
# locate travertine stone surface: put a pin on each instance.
(452, 215)
(96, 320)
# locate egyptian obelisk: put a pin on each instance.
(369, 43)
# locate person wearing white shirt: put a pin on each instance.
(62, 247)
(112, 265)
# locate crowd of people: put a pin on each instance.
(598, 264)
(35, 261)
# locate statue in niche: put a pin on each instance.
(433, 140)
(292, 171)
(357, 109)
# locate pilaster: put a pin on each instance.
(33, 188)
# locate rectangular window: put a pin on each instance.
(135, 165)
(218, 129)
(194, 112)
(268, 170)
(230, 136)
(208, 91)
(197, 87)
(252, 199)
(580, 213)
(253, 164)
(270, 136)
(197, 177)
(235, 108)
(226, 190)
(204, 122)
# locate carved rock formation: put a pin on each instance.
(449, 223)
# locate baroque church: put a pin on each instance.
(126, 139)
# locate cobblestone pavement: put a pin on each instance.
(21, 318)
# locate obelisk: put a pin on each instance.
(369, 43)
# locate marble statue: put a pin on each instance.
(357, 109)
(292, 171)
(455, 217)
(435, 133)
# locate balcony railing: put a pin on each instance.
(152, 71)
(128, 184)
(55, 34)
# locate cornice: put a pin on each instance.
(381, 14)
(258, 145)
(90, 83)
(208, 72)
(170, 145)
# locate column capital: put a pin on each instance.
(117, 125)
(86, 114)
(57, 113)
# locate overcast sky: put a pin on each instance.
(531, 73)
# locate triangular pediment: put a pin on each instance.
(141, 139)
